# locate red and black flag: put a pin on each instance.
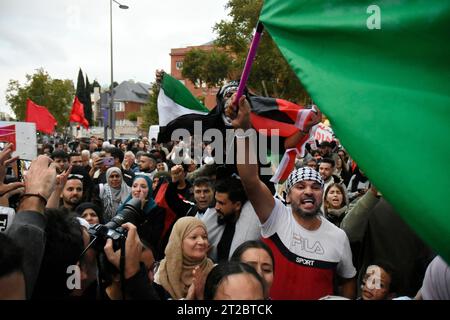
(269, 116)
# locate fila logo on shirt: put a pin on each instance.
(305, 245)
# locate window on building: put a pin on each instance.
(119, 106)
(179, 65)
(125, 123)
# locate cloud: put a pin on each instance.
(63, 36)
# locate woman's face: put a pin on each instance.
(160, 166)
(155, 183)
(195, 244)
(90, 216)
(139, 189)
(262, 262)
(338, 163)
(115, 180)
(335, 198)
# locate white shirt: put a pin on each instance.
(247, 228)
(328, 243)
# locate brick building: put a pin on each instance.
(129, 97)
(176, 65)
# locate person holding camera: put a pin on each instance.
(28, 228)
(151, 229)
(138, 263)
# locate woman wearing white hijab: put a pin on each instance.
(113, 193)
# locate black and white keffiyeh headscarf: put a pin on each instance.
(302, 174)
(226, 89)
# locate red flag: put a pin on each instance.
(44, 120)
(160, 200)
(288, 118)
(77, 113)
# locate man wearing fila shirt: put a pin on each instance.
(309, 251)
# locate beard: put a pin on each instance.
(310, 214)
(74, 201)
(224, 219)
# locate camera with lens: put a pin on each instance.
(99, 233)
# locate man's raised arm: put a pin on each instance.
(257, 192)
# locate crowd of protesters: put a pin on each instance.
(202, 230)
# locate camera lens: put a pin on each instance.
(131, 212)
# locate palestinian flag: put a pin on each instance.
(380, 72)
(212, 119)
(269, 116)
(175, 100)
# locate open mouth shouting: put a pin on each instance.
(308, 203)
(335, 201)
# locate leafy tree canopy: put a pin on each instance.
(54, 94)
(209, 67)
(270, 74)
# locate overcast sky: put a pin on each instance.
(62, 36)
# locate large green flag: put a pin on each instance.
(380, 71)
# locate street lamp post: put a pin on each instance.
(112, 112)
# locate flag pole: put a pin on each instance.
(248, 63)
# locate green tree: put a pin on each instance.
(270, 74)
(54, 94)
(217, 68)
(193, 66)
(81, 88)
(132, 116)
(150, 110)
(210, 67)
